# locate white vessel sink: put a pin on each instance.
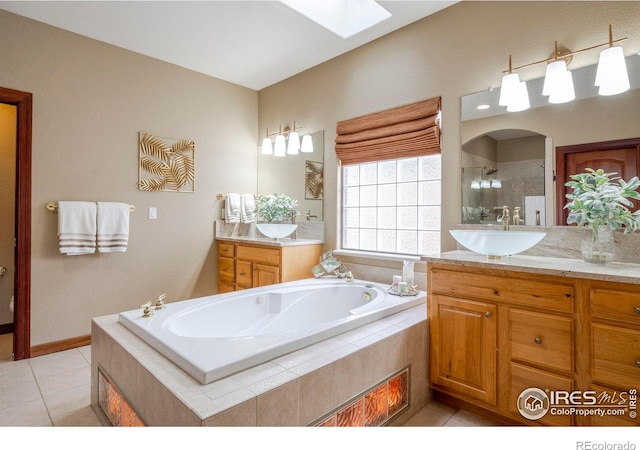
(497, 243)
(276, 230)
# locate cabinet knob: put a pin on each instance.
(638, 363)
(487, 314)
(636, 309)
(537, 340)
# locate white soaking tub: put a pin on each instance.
(216, 336)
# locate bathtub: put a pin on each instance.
(215, 336)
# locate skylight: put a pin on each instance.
(343, 17)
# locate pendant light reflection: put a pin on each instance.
(307, 144)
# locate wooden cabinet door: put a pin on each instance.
(264, 275)
(463, 337)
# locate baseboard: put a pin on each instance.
(6, 328)
(58, 346)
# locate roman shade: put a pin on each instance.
(406, 131)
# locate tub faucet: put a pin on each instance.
(516, 216)
(504, 218)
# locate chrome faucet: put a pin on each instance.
(309, 216)
(504, 218)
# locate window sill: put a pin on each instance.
(376, 255)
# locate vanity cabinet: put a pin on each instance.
(615, 353)
(243, 265)
(493, 334)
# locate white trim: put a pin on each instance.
(377, 255)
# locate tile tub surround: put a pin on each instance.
(292, 390)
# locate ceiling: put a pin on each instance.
(251, 43)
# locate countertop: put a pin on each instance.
(285, 242)
(564, 267)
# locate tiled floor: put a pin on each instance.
(54, 390)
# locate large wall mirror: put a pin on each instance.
(509, 158)
(299, 176)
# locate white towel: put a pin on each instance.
(248, 208)
(113, 227)
(232, 208)
(77, 227)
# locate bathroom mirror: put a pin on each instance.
(299, 176)
(500, 168)
(588, 118)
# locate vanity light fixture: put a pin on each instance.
(287, 142)
(496, 184)
(611, 76)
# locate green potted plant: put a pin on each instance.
(601, 204)
(274, 210)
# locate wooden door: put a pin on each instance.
(463, 347)
(264, 275)
(621, 157)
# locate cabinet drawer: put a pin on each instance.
(616, 356)
(615, 305)
(543, 294)
(542, 339)
(226, 271)
(523, 377)
(225, 249)
(244, 274)
(259, 254)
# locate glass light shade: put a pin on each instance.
(267, 149)
(520, 100)
(554, 77)
(307, 144)
(475, 184)
(564, 91)
(508, 88)
(612, 76)
(280, 148)
(294, 143)
(484, 184)
(497, 184)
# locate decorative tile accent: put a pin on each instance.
(115, 407)
(374, 407)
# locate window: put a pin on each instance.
(392, 206)
(391, 180)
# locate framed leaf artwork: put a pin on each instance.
(165, 164)
(313, 180)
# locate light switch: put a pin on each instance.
(153, 213)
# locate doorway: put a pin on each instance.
(22, 101)
(620, 156)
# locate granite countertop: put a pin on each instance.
(285, 242)
(564, 267)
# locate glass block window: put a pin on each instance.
(392, 206)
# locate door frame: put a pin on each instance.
(561, 153)
(22, 282)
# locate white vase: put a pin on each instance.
(598, 246)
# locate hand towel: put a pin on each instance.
(77, 227)
(232, 208)
(113, 227)
(248, 208)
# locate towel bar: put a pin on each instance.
(53, 206)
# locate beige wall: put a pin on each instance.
(89, 102)
(7, 205)
(460, 50)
